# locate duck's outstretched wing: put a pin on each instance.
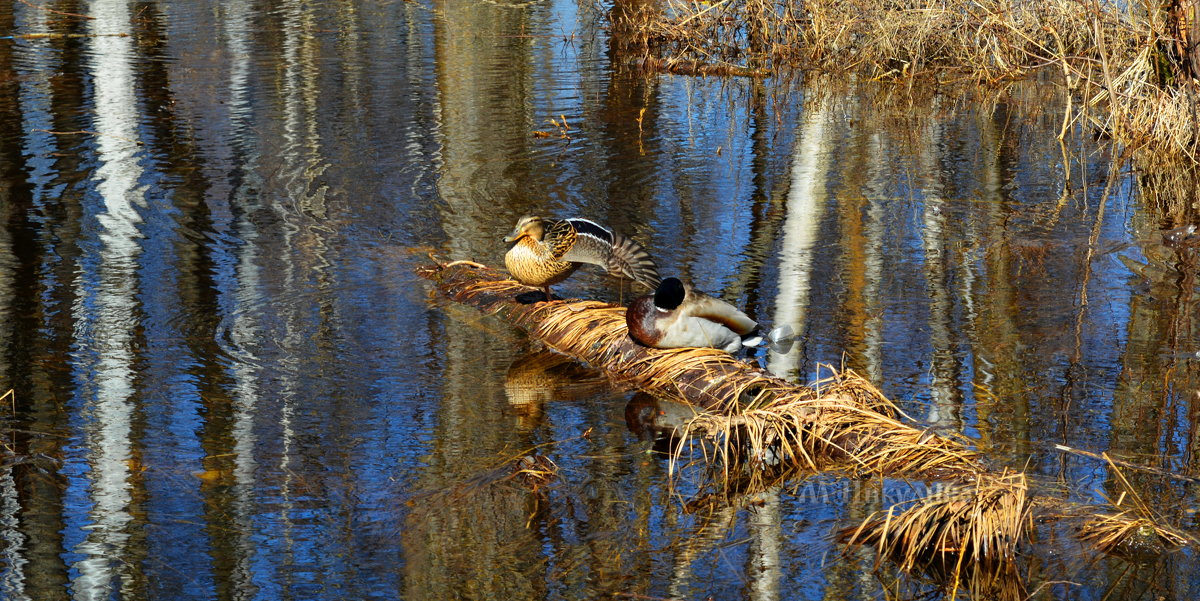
(698, 304)
(590, 242)
(631, 260)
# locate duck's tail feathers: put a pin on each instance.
(631, 260)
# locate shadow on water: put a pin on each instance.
(229, 384)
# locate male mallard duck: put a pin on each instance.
(677, 316)
(547, 252)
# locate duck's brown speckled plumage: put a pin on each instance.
(547, 252)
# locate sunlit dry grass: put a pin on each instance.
(1130, 536)
(843, 423)
(1119, 63)
(958, 535)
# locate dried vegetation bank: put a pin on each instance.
(1132, 70)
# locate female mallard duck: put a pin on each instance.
(677, 316)
(547, 252)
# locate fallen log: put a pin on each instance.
(847, 422)
(968, 534)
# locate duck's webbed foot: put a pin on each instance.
(536, 296)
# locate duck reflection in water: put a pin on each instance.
(658, 420)
(543, 376)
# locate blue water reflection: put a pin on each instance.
(229, 383)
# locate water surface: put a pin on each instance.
(229, 384)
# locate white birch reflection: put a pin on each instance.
(107, 303)
(764, 570)
(301, 159)
(303, 163)
(239, 317)
(943, 407)
(12, 585)
(805, 206)
(12, 540)
(875, 232)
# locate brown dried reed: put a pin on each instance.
(1130, 536)
(842, 423)
(1130, 68)
(959, 535)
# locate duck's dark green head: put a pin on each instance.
(669, 294)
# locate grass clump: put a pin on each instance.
(1132, 70)
(963, 536)
(1129, 536)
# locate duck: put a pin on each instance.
(548, 251)
(678, 316)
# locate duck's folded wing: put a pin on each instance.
(559, 239)
(698, 332)
(699, 304)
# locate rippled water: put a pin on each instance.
(228, 383)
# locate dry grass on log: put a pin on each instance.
(845, 423)
(595, 333)
(842, 423)
(844, 420)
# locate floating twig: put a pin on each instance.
(51, 10)
(87, 132)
